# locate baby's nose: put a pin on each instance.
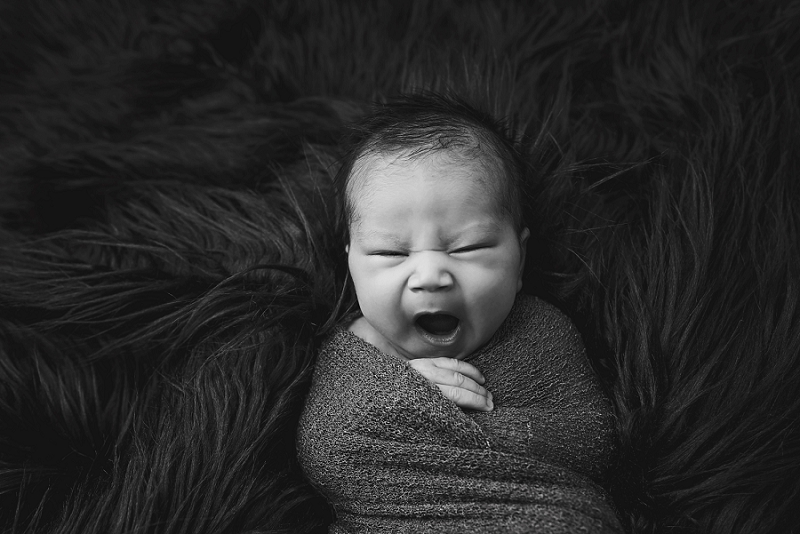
(430, 273)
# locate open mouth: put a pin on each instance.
(439, 327)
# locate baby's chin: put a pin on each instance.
(427, 351)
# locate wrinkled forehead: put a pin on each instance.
(477, 172)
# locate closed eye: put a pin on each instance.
(388, 253)
(470, 248)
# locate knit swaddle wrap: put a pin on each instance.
(392, 454)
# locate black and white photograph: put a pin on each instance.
(423, 266)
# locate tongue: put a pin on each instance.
(438, 323)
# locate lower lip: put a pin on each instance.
(442, 341)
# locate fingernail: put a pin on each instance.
(490, 404)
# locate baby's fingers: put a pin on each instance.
(457, 366)
(465, 398)
(450, 372)
(460, 382)
(446, 377)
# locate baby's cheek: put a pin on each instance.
(491, 274)
(374, 289)
(495, 289)
(360, 270)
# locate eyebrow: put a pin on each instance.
(376, 235)
(489, 226)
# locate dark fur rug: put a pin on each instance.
(170, 260)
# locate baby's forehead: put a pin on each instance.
(372, 170)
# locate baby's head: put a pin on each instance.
(436, 238)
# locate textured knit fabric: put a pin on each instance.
(392, 454)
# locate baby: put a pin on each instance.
(437, 246)
(436, 250)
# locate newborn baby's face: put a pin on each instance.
(436, 267)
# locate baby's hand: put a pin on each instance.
(459, 381)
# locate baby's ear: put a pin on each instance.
(523, 249)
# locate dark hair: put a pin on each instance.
(419, 123)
